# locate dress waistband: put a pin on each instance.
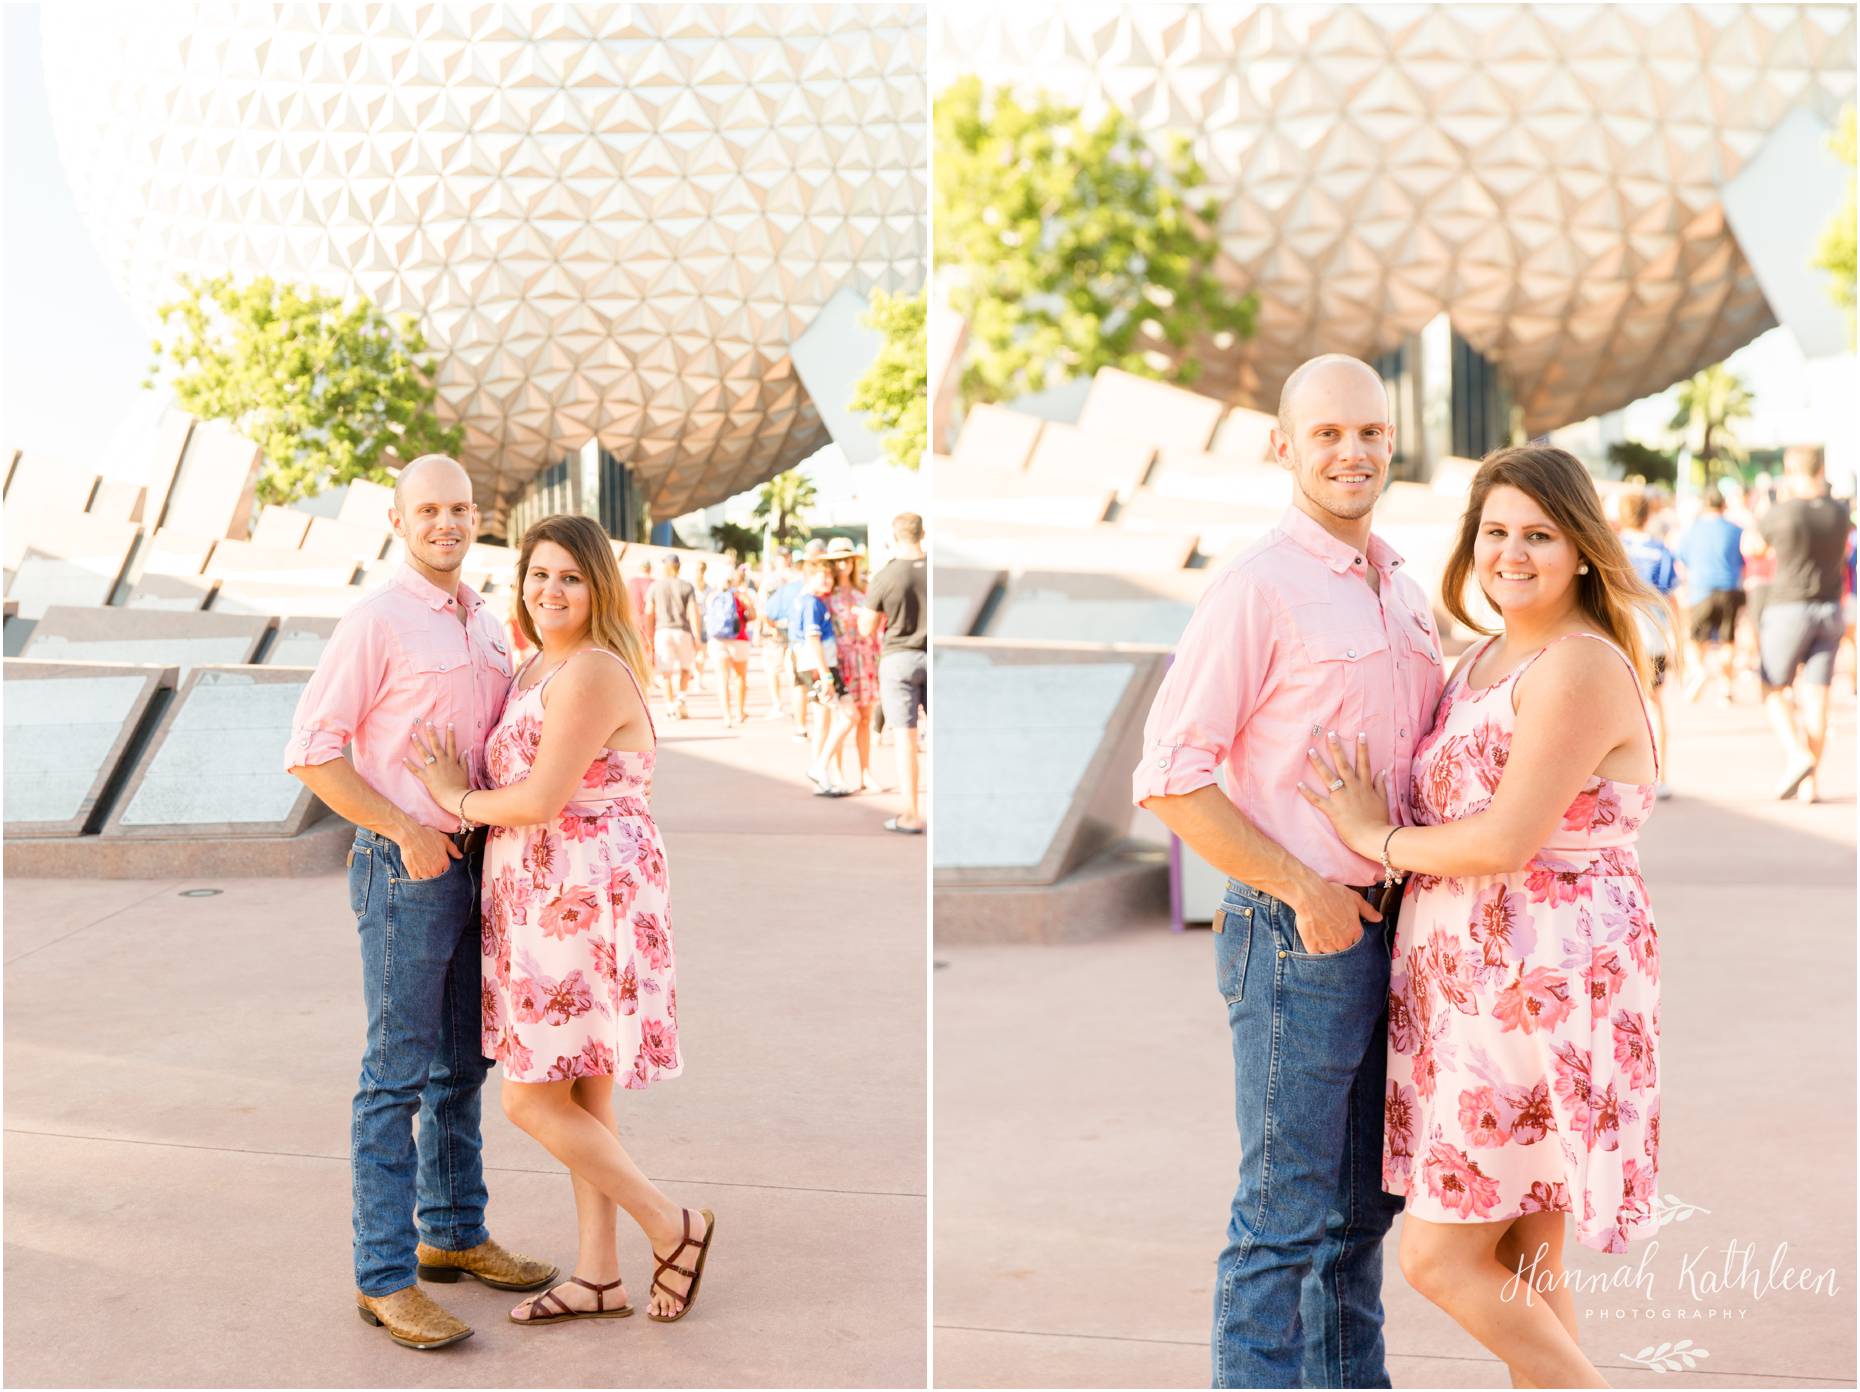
(1586, 860)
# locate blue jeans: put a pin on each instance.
(420, 983)
(1298, 1288)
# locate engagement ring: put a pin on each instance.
(1335, 783)
(431, 760)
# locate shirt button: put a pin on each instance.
(1352, 652)
(1163, 762)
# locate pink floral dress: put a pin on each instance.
(1524, 1009)
(576, 934)
(858, 655)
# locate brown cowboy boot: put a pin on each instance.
(488, 1262)
(412, 1317)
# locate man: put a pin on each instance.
(1714, 565)
(421, 651)
(897, 595)
(1658, 569)
(1311, 630)
(673, 605)
(1800, 629)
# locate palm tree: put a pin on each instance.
(780, 503)
(1709, 404)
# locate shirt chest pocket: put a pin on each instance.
(1344, 665)
(1418, 633)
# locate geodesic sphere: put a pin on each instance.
(610, 220)
(1547, 175)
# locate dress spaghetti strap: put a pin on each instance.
(633, 677)
(1640, 694)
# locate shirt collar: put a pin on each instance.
(431, 595)
(1338, 555)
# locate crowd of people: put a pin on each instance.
(1759, 588)
(843, 656)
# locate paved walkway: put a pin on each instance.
(177, 1106)
(1085, 1148)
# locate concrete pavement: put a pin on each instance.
(1085, 1145)
(177, 1108)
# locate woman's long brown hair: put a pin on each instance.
(1610, 594)
(610, 614)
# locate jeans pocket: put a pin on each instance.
(1231, 947)
(361, 878)
(1296, 950)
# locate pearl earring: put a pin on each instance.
(1582, 569)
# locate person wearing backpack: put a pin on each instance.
(728, 614)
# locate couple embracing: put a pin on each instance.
(511, 898)
(1480, 1047)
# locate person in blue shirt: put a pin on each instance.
(1659, 569)
(780, 614)
(1712, 558)
(816, 657)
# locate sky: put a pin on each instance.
(72, 355)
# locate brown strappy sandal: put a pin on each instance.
(563, 1313)
(689, 1295)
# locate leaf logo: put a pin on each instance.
(1668, 1357)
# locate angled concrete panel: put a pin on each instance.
(300, 640)
(994, 437)
(181, 593)
(72, 560)
(957, 598)
(280, 528)
(213, 768)
(215, 489)
(1169, 417)
(1035, 744)
(68, 633)
(69, 726)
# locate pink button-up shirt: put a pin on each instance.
(400, 658)
(1288, 643)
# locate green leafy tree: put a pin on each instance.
(1709, 405)
(1835, 255)
(324, 388)
(733, 536)
(894, 390)
(1644, 462)
(1073, 247)
(781, 504)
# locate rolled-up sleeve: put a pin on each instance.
(1209, 691)
(340, 692)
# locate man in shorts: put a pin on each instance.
(1800, 629)
(897, 596)
(1711, 553)
(672, 603)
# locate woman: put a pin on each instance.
(578, 971)
(815, 643)
(1524, 1008)
(858, 653)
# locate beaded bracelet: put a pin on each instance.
(1390, 875)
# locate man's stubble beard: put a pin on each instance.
(1369, 506)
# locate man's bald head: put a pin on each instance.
(422, 474)
(1314, 375)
